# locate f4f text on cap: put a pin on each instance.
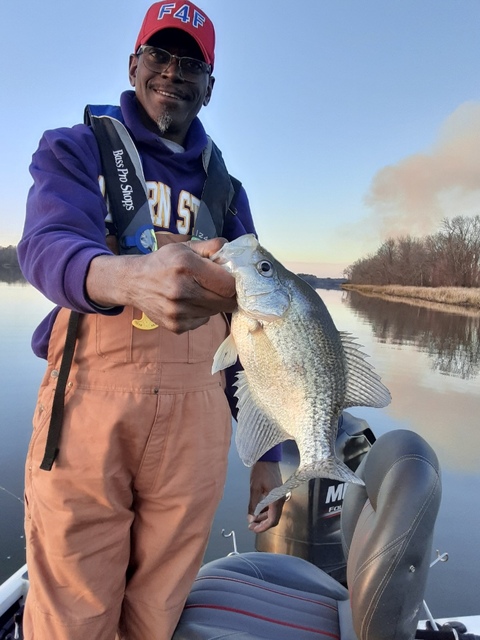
(182, 14)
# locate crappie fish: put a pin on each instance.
(299, 372)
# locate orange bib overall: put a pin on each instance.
(116, 531)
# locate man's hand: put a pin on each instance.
(264, 477)
(178, 286)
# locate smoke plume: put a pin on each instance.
(413, 196)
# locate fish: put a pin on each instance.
(298, 371)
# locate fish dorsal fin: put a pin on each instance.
(225, 355)
(256, 433)
(364, 387)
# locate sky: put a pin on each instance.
(347, 121)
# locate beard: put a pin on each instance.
(164, 121)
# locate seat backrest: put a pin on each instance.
(387, 531)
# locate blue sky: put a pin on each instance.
(346, 120)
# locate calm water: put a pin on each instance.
(430, 360)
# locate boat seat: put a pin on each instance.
(387, 529)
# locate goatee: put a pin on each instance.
(164, 121)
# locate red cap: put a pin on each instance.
(180, 15)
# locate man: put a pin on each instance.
(117, 529)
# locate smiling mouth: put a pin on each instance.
(168, 94)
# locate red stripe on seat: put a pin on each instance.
(257, 586)
(259, 617)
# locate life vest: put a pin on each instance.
(127, 191)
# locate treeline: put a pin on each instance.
(321, 283)
(448, 258)
(9, 267)
(8, 256)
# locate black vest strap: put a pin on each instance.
(218, 192)
(125, 185)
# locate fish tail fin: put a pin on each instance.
(329, 467)
(278, 492)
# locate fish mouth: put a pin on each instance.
(224, 258)
(229, 261)
(218, 257)
(234, 249)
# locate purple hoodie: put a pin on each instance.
(65, 220)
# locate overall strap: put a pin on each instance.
(56, 419)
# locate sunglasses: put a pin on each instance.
(158, 60)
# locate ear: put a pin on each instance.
(208, 94)
(132, 68)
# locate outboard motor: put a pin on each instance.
(310, 524)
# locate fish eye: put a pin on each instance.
(265, 268)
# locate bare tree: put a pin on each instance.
(450, 257)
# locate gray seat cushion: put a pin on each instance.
(265, 596)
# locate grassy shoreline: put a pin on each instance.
(453, 296)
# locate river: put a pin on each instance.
(430, 361)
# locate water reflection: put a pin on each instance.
(451, 339)
(408, 346)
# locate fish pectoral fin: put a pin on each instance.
(225, 356)
(256, 432)
(364, 387)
